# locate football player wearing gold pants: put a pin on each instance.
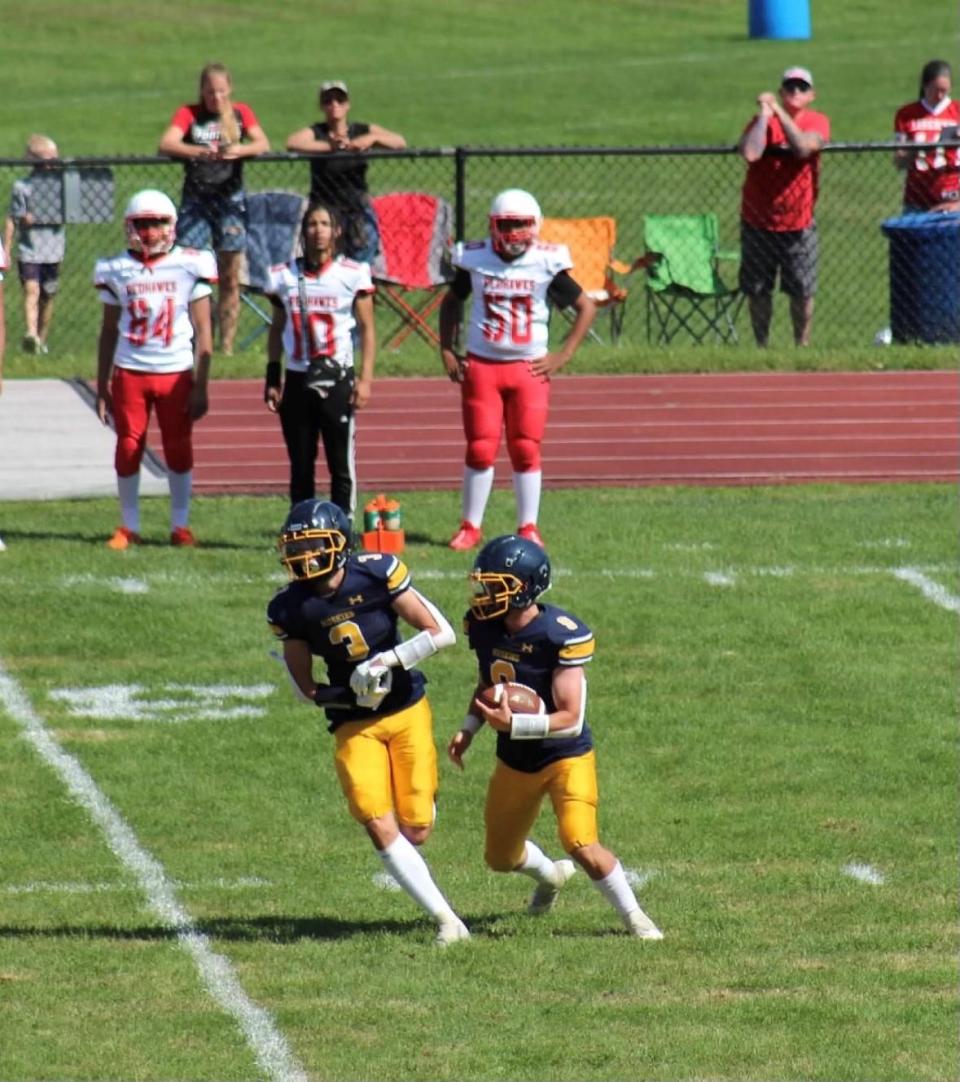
(548, 752)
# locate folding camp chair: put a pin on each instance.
(273, 236)
(591, 242)
(685, 292)
(413, 267)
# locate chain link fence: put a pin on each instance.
(859, 189)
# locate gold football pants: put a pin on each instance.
(389, 764)
(514, 799)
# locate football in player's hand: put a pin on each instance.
(520, 698)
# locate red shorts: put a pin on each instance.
(134, 395)
(498, 392)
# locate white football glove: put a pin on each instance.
(370, 682)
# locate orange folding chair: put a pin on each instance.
(591, 242)
(413, 268)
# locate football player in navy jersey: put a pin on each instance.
(518, 640)
(345, 608)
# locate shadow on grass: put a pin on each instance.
(267, 929)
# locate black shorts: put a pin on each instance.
(47, 274)
(764, 252)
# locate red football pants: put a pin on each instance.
(496, 391)
(134, 395)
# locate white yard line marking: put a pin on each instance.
(425, 574)
(865, 873)
(244, 882)
(719, 578)
(170, 704)
(385, 881)
(639, 877)
(113, 582)
(931, 590)
(265, 1041)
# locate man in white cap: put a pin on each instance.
(781, 145)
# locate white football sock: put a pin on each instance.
(181, 485)
(476, 491)
(526, 489)
(128, 489)
(537, 864)
(618, 891)
(410, 870)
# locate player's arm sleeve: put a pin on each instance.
(106, 290)
(564, 290)
(411, 606)
(461, 286)
(200, 290)
(577, 649)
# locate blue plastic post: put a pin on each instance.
(786, 19)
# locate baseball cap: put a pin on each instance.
(797, 73)
(334, 84)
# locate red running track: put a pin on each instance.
(757, 428)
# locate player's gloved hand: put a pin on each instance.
(370, 682)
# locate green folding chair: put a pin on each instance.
(685, 292)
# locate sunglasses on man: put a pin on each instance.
(795, 86)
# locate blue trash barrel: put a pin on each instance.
(924, 277)
(786, 19)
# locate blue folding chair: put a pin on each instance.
(273, 236)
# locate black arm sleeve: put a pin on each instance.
(461, 287)
(564, 290)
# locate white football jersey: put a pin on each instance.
(3, 261)
(509, 313)
(156, 334)
(330, 293)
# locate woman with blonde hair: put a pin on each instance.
(213, 136)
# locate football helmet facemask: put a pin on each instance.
(151, 223)
(509, 573)
(514, 222)
(314, 541)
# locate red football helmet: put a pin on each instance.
(514, 222)
(151, 223)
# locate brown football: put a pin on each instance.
(520, 698)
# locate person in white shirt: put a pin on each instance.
(505, 376)
(154, 350)
(318, 393)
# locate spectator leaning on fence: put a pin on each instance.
(781, 146)
(40, 247)
(933, 175)
(213, 136)
(339, 181)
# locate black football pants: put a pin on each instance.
(305, 417)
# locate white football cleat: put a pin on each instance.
(546, 893)
(640, 925)
(451, 931)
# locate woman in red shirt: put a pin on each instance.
(933, 176)
(213, 136)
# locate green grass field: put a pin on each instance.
(774, 703)
(774, 693)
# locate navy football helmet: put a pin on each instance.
(509, 573)
(314, 540)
